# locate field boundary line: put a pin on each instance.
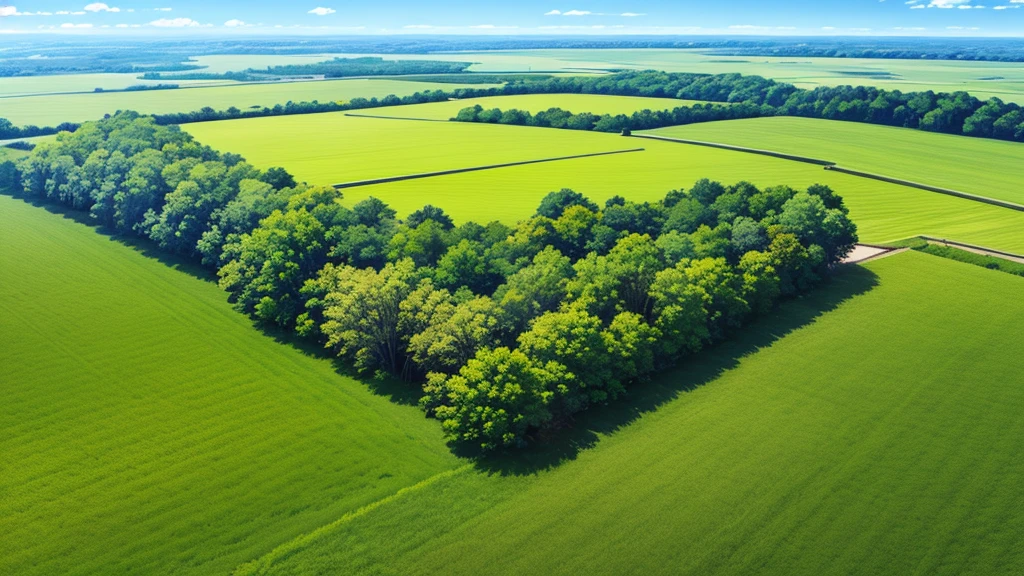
(828, 165)
(975, 248)
(259, 565)
(784, 156)
(927, 187)
(358, 183)
(395, 118)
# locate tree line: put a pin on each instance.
(747, 96)
(509, 329)
(753, 96)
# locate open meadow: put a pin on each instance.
(155, 430)
(980, 166)
(334, 148)
(53, 109)
(870, 428)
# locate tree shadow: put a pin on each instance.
(143, 246)
(704, 367)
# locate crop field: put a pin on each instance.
(981, 166)
(29, 85)
(594, 103)
(905, 75)
(148, 428)
(54, 109)
(332, 148)
(807, 446)
(11, 154)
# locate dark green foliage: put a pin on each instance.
(514, 330)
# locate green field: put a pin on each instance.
(871, 428)
(981, 166)
(147, 428)
(905, 75)
(11, 154)
(52, 110)
(332, 148)
(29, 85)
(593, 103)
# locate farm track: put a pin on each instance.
(976, 249)
(829, 165)
(358, 183)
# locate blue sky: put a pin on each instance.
(604, 17)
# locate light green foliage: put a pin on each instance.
(979, 166)
(495, 398)
(806, 446)
(454, 332)
(147, 427)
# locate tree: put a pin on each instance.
(573, 338)
(495, 400)
(429, 212)
(555, 203)
(535, 289)
(454, 333)
(362, 314)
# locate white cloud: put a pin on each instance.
(68, 25)
(321, 11)
(162, 9)
(175, 23)
(632, 14)
(100, 7)
(553, 13)
(235, 23)
(8, 11)
(577, 13)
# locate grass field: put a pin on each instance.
(147, 428)
(54, 109)
(11, 154)
(28, 85)
(872, 428)
(594, 103)
(905, 75)
(979, 166)
(332, 148)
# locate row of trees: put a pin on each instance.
(956, 113)
(8, 131)
(747, 96)
(510, 330)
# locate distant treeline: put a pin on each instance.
(955, 113)
(510, 330)
(336, 68)
(748, 96)
(9, 131)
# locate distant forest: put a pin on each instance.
(336, 68)
(88, 55)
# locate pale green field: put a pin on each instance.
(872, 427)
(333, 148)
(28, 85)
(52, 110)
(909, 75)
(147, 428)
(11, 154)
(594, 103)
(979, 166)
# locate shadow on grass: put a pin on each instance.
(692, 373)
(141, 245)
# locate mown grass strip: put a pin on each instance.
(476, 169)
(771, 153)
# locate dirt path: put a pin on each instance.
(976, 249)
(866, 252)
